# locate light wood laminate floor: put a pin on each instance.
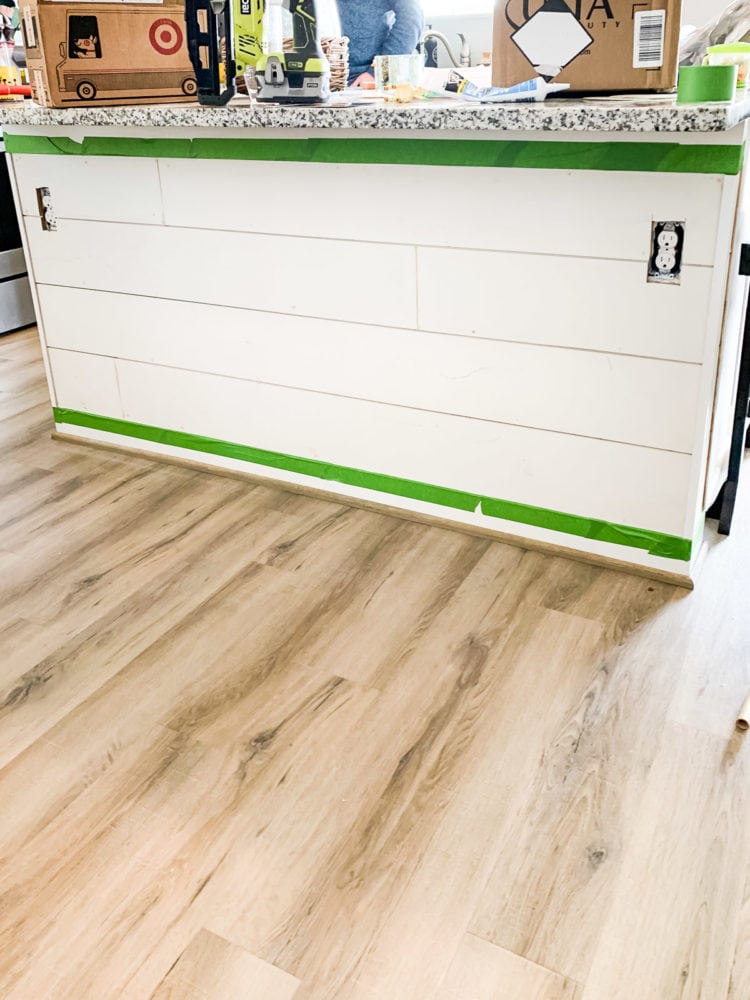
(258, 746)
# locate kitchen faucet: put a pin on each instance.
(465, 57)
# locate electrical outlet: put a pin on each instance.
(665, 261)
(46, 211)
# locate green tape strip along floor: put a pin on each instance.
(657, 544)
(661, 157)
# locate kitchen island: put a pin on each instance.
(444, 310)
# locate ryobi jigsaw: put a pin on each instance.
(226, 37)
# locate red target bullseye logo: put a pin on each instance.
(165, 36)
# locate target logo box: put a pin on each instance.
(107, 53)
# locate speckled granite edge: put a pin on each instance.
(554, 116)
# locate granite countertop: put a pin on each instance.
(647, 113)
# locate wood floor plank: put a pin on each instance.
(679, 876)
(30, 511)
(482, 971)
(407, 854)
(24, 644)
(550, 890)
(211, 968)
(313, 803)
(170, 680)
(41, 682)
(174, 673)
(739, 981)
(125, 883)
(714, 678)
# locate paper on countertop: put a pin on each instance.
(436, 79)
(630, 100)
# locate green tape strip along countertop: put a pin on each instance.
(656, 543)
(660, 157)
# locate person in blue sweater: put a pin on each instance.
(378, 28)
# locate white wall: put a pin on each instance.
(476, 27)
(698, 12)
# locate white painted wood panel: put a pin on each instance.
(635, 400)
(599, 305)
(23, 224)
(511, 531)
(726, 395)
(85, 382)
(620, 483)
(112, 188)
(324, 278)
(579, 212)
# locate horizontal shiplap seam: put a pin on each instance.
(655, 543)
(381, 326)
(540, 154)
(329, 393)
(697, 363)
(176, 227)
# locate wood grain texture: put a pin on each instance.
(739, 982)
(481, 971)
(684, 847)
(211, 968)
(260, 745)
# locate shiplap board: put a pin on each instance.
(324, 278)
(614, 482)
(512, 531)
(85, 382)
(111, 188)
(557, 211)
(487, 208)
(600, 305)
(636, 400)
(726, 395)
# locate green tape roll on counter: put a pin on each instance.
(706, 84)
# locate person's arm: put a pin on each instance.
(407, 30)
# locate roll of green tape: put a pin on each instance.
(703, 84)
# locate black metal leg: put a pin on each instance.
(723, 506)
(714, 511)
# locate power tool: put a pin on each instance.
(226, 37)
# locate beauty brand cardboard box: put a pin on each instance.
(107, 53)
(594, 45)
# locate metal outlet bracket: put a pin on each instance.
(46, 211)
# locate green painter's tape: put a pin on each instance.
(657, 544)
(667, 157)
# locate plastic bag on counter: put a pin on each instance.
(732, 25)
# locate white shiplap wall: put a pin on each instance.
(489, 330)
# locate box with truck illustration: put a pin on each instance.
(592, 45)
(107, 53)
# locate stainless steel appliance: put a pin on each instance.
(16, 307)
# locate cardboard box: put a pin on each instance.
(594, 45)
(83, 54)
